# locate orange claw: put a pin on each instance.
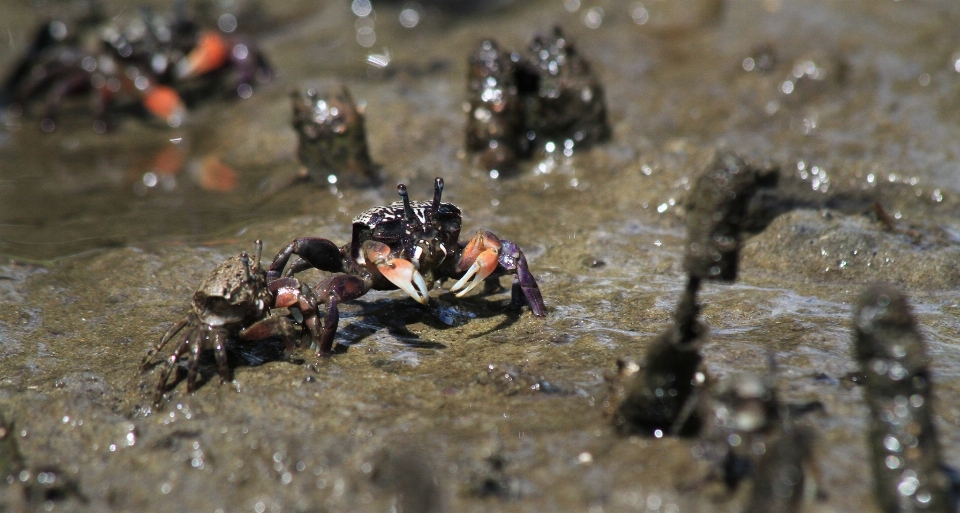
(165, 103)
(209, 54)
(482, 256)
(400, 272)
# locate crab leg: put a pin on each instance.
(525, 289)
(314, 252)
(172, 361)
(196, 344)
(163, 341)
(480, 258)
(400, 272)
(332, 291)
(218, 340)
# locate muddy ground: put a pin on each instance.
(416, 412)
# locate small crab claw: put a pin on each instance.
(400, 272)
(209, 54)
(482, 256)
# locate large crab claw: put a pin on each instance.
(400, 272)
(479, 259)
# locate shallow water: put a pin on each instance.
(101, 252)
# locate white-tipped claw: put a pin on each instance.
(422, 286)
(463, 281)
(404, 275)
(483, 267)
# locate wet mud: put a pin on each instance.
(460, 405)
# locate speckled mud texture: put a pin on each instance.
(459, 406)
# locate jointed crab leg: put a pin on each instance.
(332, 291)
(525, 289)
(196, 344)
(313, 252)
(400, 272)
(219, 339)
(172, 361)
(479, 259)
(163, 341)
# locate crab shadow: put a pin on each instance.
(391, 318)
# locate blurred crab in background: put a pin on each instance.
(155, 62)
(410, 246)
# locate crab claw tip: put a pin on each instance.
(464, 281)
(406, 284)
(481, 268)
(424, 297)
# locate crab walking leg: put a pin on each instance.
(218, 340)
(524, 284)
(172, 362)
(196, 344)
(332, 291)
(400, 272)
(163, 341)
(479, 258)
(314, 252)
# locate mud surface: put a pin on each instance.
(458, 406)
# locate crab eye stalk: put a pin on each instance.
(408, 214)
(437, 191)
(246, 266)
(258, 246)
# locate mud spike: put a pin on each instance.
(246, 265)
(408, 214)
(258, 245)
(437, 191)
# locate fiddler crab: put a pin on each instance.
(152, 60)
(235, 300)
(410, 246)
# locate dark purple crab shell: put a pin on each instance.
(388, 225)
